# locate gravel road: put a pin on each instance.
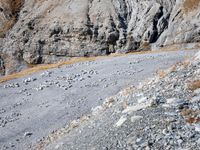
(33, 106)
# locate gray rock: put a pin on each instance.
(91, 28)
(27, 134)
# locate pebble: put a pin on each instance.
(153, 102)
(139, 140)
(58, 146)
(120, 122)
(2, 110)
(81, 79)
(179, 141)
(26, 81)
(165, 131)
(28, 134)
(105, 86)
(23, 90)
(197, 91)
(134, 108)
(174, 102)
(197, 127)
(41, 87)
(198, 141)
(11, 85)
(46, 74)
(135, 118)
(195, 99)
(142, 100)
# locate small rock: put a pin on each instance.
(198, 141)
(179, 141)
(27, 134)
(59, 145)
(197, 127)
(195, 99)
(120, 121)
(81, 79)
(165, 131)
(2, 111)
(17, 85)
(135, 118)
(197, 91)
(26, 81)
(34, 79)
(174, 102)
(136, 107)
(142, 100)
(105, 86)
(139, 140)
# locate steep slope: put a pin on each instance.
(163, 113)
(48, 30)
(33, 106)
(8, 14)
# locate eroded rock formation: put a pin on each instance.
(47, 30)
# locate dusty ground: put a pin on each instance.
(32, 107)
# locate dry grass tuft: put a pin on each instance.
(37, 68)
(191, 116)
(161, 73)
(124, 104)
(190, 5)
(15, 6)
(58, 134)
(186, 63)
(44, 67)
(6, 26)
(173, 68)
(194, 85)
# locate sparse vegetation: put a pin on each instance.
(173, 68)
(186, 63)
(190, 115)
(161, 73)
(44, 67)
(194, 85)
(15, 6)
(190, 5)
(37, 68)
(7, 25)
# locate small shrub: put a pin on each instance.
(173, 68)
(190, 5)
(6, 26)
(194, 85)
(161, 73)
(15, 6)
(191, 116)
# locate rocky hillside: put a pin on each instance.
(163, 113)
(36, 105)
(45, 31)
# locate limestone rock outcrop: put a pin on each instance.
(45, 31)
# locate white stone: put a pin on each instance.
(174, 101)
(142, 100)
(136, 107)
(197, 127)
(120, 122)
(135, 118)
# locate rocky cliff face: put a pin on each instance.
(47, 30)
